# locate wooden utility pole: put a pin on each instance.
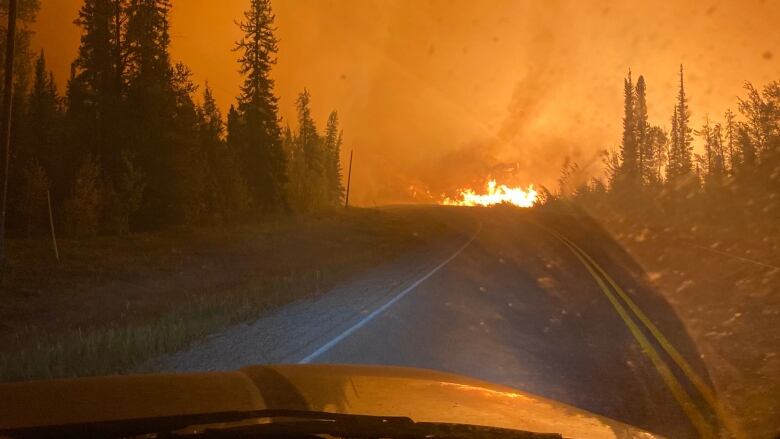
(349, 179)
(5, 133)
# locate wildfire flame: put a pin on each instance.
(496, 194)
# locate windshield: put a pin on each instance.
(577, 201)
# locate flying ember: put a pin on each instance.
(496, 194)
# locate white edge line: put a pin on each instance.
(327, 346)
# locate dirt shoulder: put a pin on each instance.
(113, 302)
(723, 281)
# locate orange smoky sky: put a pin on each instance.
(439, 94)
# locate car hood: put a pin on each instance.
(423, 395)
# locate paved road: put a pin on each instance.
(505, 299)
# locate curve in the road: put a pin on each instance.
(696, 380)
(600, 275)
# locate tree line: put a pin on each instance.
(129, 148)
(738, 163)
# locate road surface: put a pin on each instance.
(541, 301)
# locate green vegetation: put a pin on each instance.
(734, 180)
(703, 224)
(117, 348)
(115, 301)
(130, 148)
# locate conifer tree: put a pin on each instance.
(313, 154)
(611, 162)
(712, 161)
(719, 157)
(760, 142)
(41, 136)
(681, 150)
(307, 135)
(731, 140)
(258, 141)
(746, 151)
(190, 170)
(161, 118)
(641, 127)
(628, 147)
(333, 141)
(97, 83)
(673, 164)
(296, 170)
(655, 154)
(685, 136)
(23, 170)
(26, 13)
(226, 193)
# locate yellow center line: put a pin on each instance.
(678, 392)
(707, 393)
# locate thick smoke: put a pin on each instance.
(437, 94)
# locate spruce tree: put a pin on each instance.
(628, 146)
(259, 141)
(226, 193)
(746, 151)
(160, 114)
(26, 13)
(711, 161)
(641, 127)
(311, 148)
(761, 112)
(190, 169)
(680, 167)
(98, 132)
(657, 142)
(97, 83)
(307, 135)
(42, 121)
(731, 140)
(333, 141)
(685, 137)
(673, 165)
(22, 166)
(233, 128)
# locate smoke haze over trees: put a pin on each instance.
(516, 85)
(134, 145)
(736, 177)
(210, 178)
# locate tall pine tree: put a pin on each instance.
(256, 131)
(42, 136)
(643, 148)
(685, 136)
(673, 165)
(628, 146)
(310, 146)
(226, 191)
(97, 83)
(333, 140)
(731, 140)
(680, 169)
(162, 118)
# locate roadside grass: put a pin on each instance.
(115, 302)
(116, 349)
